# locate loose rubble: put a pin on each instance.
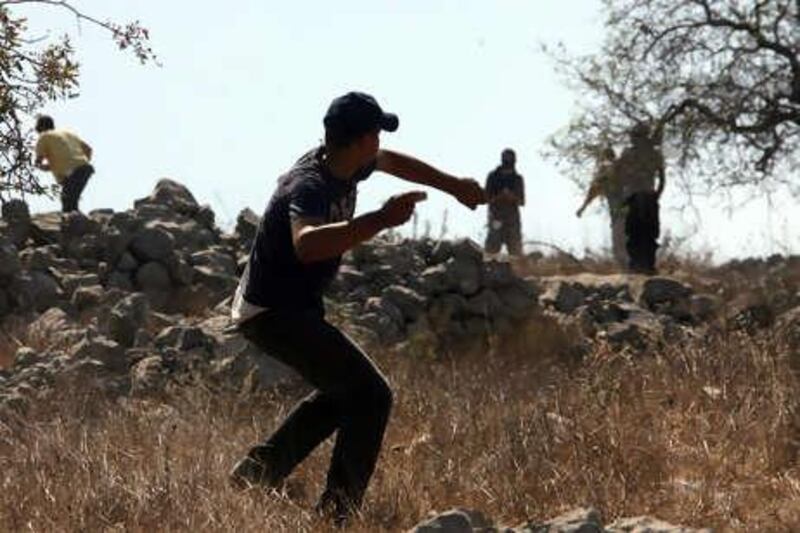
(133, 303)
(579, 520)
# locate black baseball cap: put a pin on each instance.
(356, 113)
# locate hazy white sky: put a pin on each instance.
(244, 86)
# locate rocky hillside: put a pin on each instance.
(136, 303)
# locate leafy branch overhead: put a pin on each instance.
(718, 79)
(35, 70)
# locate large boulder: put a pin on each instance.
(458, 274)
(127, 317)
(666, 296)
(445, 310)
(237, 360)
(153, 276)
(184, 338)
(46, 228)
(75, 226)
(152, 244)
(173, 195)
(562, 295)
(246, 226)
(117, 242)
(486, 303)
(220, 283)
(127, 263)
(34, 291)
(498, 274)
(216, 260)
(39, 258)
(120, 280)
(125, 222)
(5, 303)
(187, 234)
(408, 301)
(205, 217)
(518, 300)
(575, 521)
(16, 219)
(9, 260)
(181, 271)
(104, 350)
(383, 319)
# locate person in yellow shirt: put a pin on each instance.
(67, 156)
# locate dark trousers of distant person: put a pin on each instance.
(641, 231)
(72, 187)
(504, 230)
(352, 398)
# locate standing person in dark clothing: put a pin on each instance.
(505, 192)
(67, 157)
(642, 228)
(637, 170)
(306, 227)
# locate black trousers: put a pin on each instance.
(73, 186)
(641, 231)
(351, 398)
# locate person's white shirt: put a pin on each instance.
(241, 309)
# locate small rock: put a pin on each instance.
(647, 524)
(704, 306)
(86, 297)
(455, 521)
(148, 376)
(183, 338)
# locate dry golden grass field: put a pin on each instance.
(701, 435)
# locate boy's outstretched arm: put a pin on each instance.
(465, 190)
(315, 240)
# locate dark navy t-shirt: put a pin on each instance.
(274, 277)
(498, 180)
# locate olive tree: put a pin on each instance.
(36, 69)
(717, 80)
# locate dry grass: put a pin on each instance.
(12, 331)
(702, 435)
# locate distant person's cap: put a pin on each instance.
(357, 113)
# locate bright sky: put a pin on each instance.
(242, 92)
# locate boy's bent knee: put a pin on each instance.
(375, 395)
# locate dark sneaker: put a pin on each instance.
(249, 473)
(334, 509)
